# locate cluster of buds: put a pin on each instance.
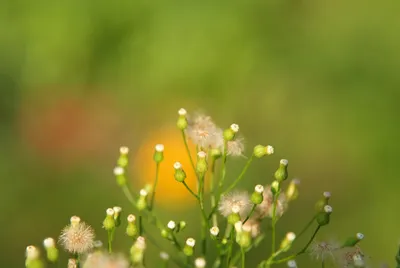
(323, 209)
(122, 163)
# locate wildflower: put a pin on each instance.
(77, 237)
(137, 250)
(105, 260)
(51, 250)
(239, 201)
(257, 195)
(281, 173)
(352, 257)
(203, 132)
(188, 248)
(265, 209)
(182, 122)
(322, 250)
(261, 150)
(214, 231)
(171, 225)
(32, 258)
(235, 147)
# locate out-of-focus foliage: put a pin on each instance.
(318, 80)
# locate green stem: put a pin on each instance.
(243, 257)
(141, 231)
(204, 221)
(323, 264)
(128, 194)
(109, 235)
(212, 193)
(251, 212)
(176, 243)
(306, 227)
(230, 247)
(154, 186)
(190, 190)
(188, 150)
(240, 177)
(274, 221)
(223, 171)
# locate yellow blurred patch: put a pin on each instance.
(169, 192)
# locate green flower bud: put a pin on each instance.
(51, 250)
(201, 165)
(352, 241)
(123, 157)
(137, 251)
(319, 206)
(215, 153)
(260, 150)
(141, 203)
(159, 153)
(287, 242)
(181, 226)
(229, 134)
(131, 229)
(180, 174)
(165, 233)
(275, 187)
(182, 122)
(119, 173)
(292, 191)
(117, 215)
(32, 258)
(188, 248)
(323, 217)
(109, 222)
(281, 173)
(257, 195)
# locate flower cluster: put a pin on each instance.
(235, 222)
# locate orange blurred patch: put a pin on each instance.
(169, 192)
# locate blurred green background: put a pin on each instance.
(318, 80)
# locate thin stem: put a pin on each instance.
(212, 193)
(128, 194)
(109, 235)
(243, 257)
(240, 177)
(141, 231)
(188, 150)
(230, 247)
(274, 222)
(306, 227)
(154, 186)
(323, 264)
(251, 212)
(190, 190)
(223, 171)
(175, 242)
(204, 221)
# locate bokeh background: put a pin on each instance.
(318, 80)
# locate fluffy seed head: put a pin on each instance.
(159, 148)
(123, 150)
(259, 188)
(190, 242)
(200, 263)
(235, 201)
(164, 255)
(118, 171)
(49, 243)
(131, 218)
(235, 128)
(235, 147)
(265, 209)
(171, 225)
(32, 252)
(182, 112)
(328, 209)
(321, 250)
(270, 150)
(284, 162)
(105, 260)
(360, 236)
(201, 154)
(77, 238)
(203, 132)
(214, 230)
(177, 165)
(290, 236)
(253, 226)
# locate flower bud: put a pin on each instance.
(323, 217)
(182, 122)
(257, 195)
(229, 134)
(117, 215)
(51, 250)
(292, 264)
(181, 225)
(214, 231)
(141, 203)
(215, 153)
(32, 258)
(200, 263)
(201, 165)
(109, 222)
(180, 174)
(171, 225)
(165, 233)
(158, 153)
(352, 241)
(123, 157)
(287, 242)
(188, 248)
(281, 173)
(319, 206)
(261, 150)
(275, 187)
(119, 173)
(292, 192)
(137, 251)
(131, 229)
